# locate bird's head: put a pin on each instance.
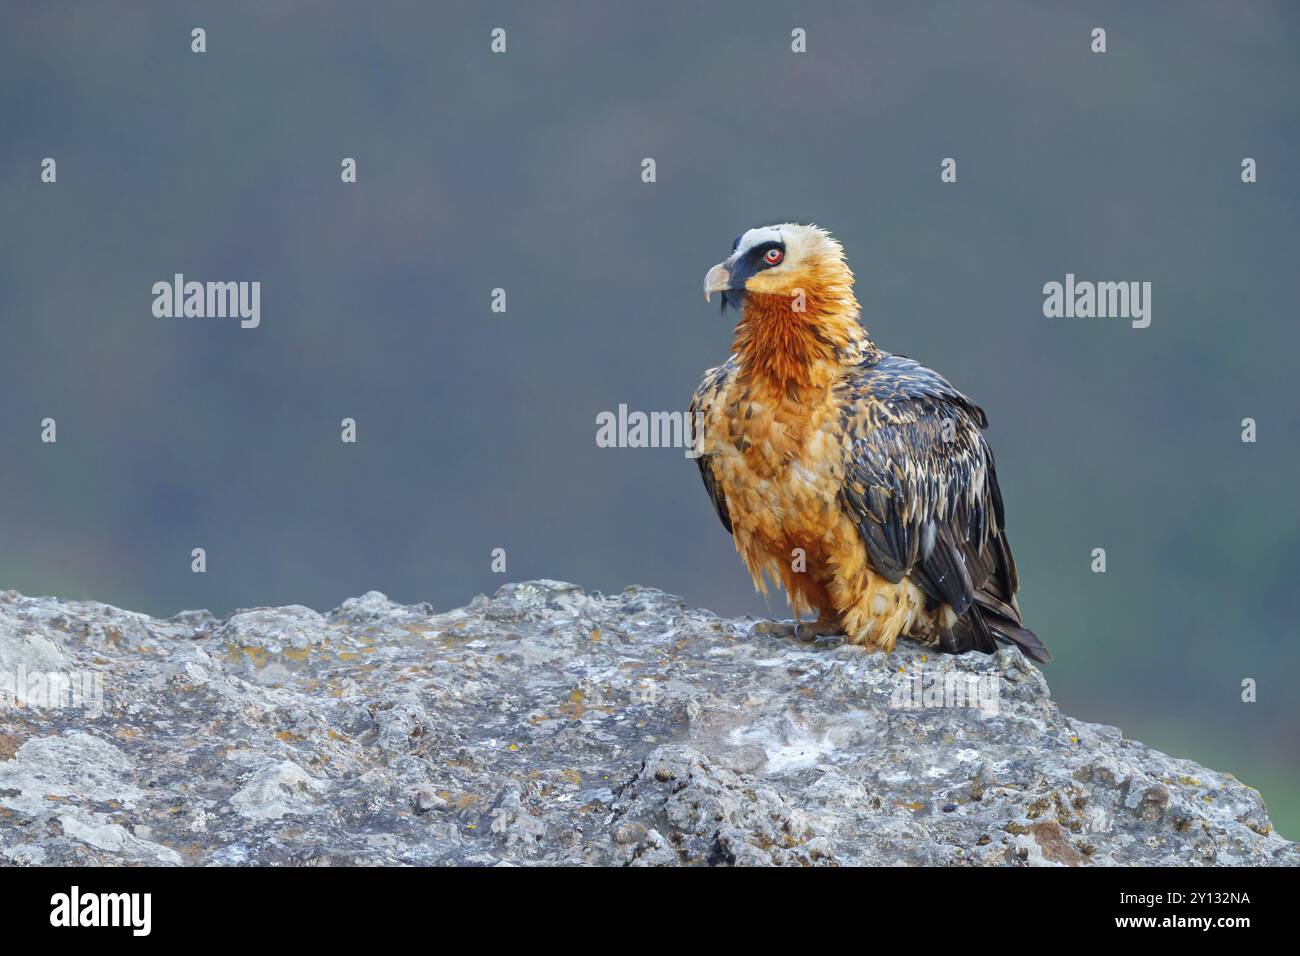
(787, 260)
(799, 318)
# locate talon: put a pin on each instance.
(806, 633)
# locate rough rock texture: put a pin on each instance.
(545, 725)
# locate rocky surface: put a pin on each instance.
(545, 725)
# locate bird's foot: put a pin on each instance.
(828, 642)
(773, 628)
(820, 634)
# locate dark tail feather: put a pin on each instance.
(982, 628)
(1009, 632)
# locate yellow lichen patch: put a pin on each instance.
(574, 707)
(126, 732)
(595, 633)
(461, 801)
(573, 776)
(450, 638)
(256, 655)
(9, 745)
(288, 737)
(294, 654)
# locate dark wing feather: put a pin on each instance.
(715, 493)
(921, 487)
(699, 406)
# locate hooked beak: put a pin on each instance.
(718, 280)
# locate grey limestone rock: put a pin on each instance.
(545, 725)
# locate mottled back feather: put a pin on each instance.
(921, 487)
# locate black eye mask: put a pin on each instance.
(754, 261)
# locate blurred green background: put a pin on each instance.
(522, 170)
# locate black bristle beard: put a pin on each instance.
(734, 298)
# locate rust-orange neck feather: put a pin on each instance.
(788, 350)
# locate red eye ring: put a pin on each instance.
(773, 256)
